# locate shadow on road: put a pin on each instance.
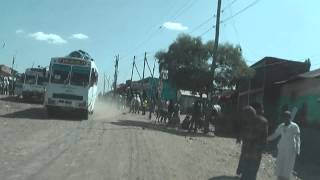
(308, 162)
(16, 99)
(225, 178)
(156, 127)
(32, 113)
(39, 113)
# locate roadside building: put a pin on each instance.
(187, 98)
(147, 85)
(303, 92)
(264, 86)
(5, 70)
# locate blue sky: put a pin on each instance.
(36, 30)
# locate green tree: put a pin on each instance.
(188, 63)
(184, 52)
(230, 65)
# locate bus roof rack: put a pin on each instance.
(81, 54)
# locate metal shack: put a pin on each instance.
(263, 87)
(303, 92)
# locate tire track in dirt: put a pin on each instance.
(69, 152)
(40, 159)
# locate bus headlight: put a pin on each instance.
(83, 104)
(51, 101)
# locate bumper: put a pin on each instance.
(66, 104)
(33, 94)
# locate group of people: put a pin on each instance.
(6, 86)
(168, 112)
(254, 137)
(253, 133)
(201, 115)
(135, 104)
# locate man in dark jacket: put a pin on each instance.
(254, 138)
(196, 116)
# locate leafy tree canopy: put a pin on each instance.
(188, 62)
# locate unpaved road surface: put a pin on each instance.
(110, 145)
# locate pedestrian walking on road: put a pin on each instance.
(288, 146)
(254, 138)
(259, 112)
(196, 116)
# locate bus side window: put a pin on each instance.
(94, 77)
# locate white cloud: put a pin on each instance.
(19, 31)
(50, 38)
(175, 26)
(79, 36)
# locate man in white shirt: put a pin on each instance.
(288, 146)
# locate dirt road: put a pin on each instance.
(110, 145)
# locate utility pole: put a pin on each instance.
(144, 67)
(133, 64)
(144, 64)
(104, 83)
(154, 65)
(216, 42)
(115, 75)
(12, 76)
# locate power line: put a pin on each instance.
(229, 5)
(235, 27)
(137, 71)
(186, 8)
(241, 11)
(202, 24)
(150, 33)
(227, 19)
(205, 32)
(181, 11)
(210, 18)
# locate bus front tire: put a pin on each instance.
(50, 112)
(85, 115)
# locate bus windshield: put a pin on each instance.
(80, 76)
(41, 80)
(60, 74)
(19, 79)
(30, 79)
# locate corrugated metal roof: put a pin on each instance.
(307, 75)
(268, 60)
(310, 74)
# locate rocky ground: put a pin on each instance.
(110, 145)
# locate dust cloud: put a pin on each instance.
(105, 109)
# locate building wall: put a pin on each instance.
(305, 95)
(169, 92)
